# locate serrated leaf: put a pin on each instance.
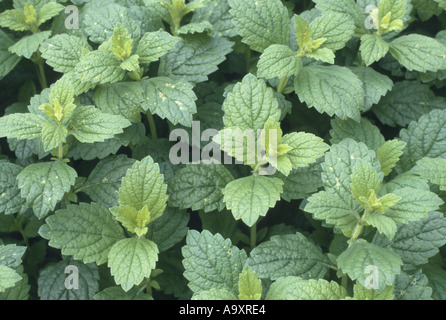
(278, 61)
(10, 200)
(306, 148)
(131, 260)
(373, 48)
(251, 197)
(170, 99)
(194, 58)
(21, 126)
(362, 293)
(425, 138)
(407, 102)
(322, 54)
(199, 187)
(212, 262)
(28, 45)
(419, 53)
(332, 90)
(288, 255)
(52, 283)
(217, 13)
(389, 154)
(20, 290)
(88, 124)
(360, 255)
(335, 27)
(105, 179)
(347, 7)
(436, 278)
(14, 20)
(11, 255)
(295, 288)
(53, 135)
(8, 60)
(412, 287)
(121, 98)
(417, 241)
(383, 224)
(433, 170)
(365, 180)
(261, 23)
(154, 45)
(249, 285)
(43, 185)
(85, 231)
(414, 205)
(197, 27)
(250, 104)
(376, 85)
(214, 294)
(48, 11)
(363, 131)
(99, 67)
(143, 185)
(116, 293)
(301, 182)
(8, 278)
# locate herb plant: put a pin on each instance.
(223, 149)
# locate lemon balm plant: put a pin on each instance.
(322, 123)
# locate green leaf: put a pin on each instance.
(425, 138)
(436, 276)
(53, 281)
(199, 187)
(8, 278)
(43, 185)
(14, 20)
(417, 241)
(21, 126)
(261, 23)
(347, 7)
(332, 90)
(48, 11)
(88, 124)
(365, 180)
(433, 170)
(295, 288)
(217, 13)
(195, 58)
(251, 197)
(133, 220)
(143, 185)
(376, 85)
(171, 99)
(334, 210)
(116, 293)
(407, 102)
(360, 255)
(363, 131)
(301, 182)
(212, 262)
(99, 67)
(197, 27)
(249, 285)
(441, 3)
(288, 255)
(10, 200)
(335, 27)
(362, 293)
(154, 45)
(11, 255)
(384, 224)
(322, 54)
(28, 45)
(131, 260)
(414, 205)
(306, 148)
(419, 53)
(373, 48)
(8, 60)
(20, 290)
(278, 61)
(53, 135)
(85, 231)
(250, 104)
(412, 287)
(105, 179)
(389, 154)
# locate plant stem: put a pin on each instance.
(60, 152)
(152, 125)
(253, 236)
(41, 71)
(282, 84)
(344, 282)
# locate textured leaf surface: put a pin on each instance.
(361, 254)
(8, 60)
(99, 67)
(433, 170)
(261, 23)
(43, 185)
(373, 48)
(85, 231)
(21, 126)
(199, 187)
(131, 260)
(288, 255)
(278, 61)
(332, 90)
(10, 200)
(28, 45)
(306, 148)
(211, 262)
(337, 28)
(154, 45)
(251, 197)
